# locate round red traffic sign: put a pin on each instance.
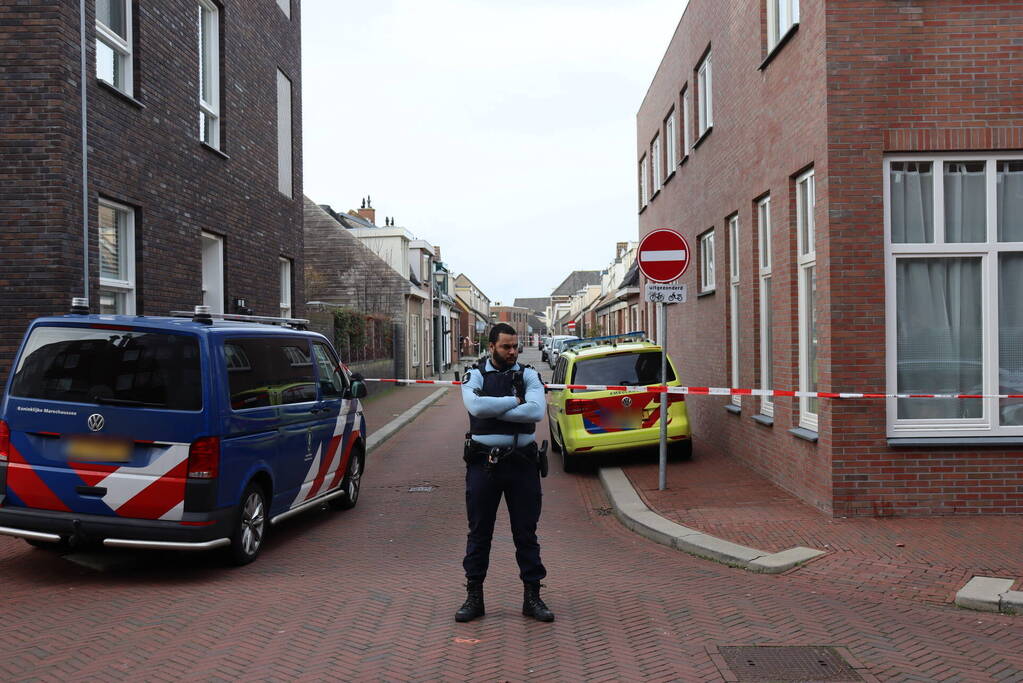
(663, 255)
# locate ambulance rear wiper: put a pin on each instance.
(126, 402)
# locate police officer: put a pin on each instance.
(505, 401)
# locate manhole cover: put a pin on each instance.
(783, 664)
(420, 489)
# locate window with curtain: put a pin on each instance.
(781, 16)
(686, 139)
(116, 258)
(209, 73)
(704, 96)
(114, 43)
(671, 143)
(655, 162)
(733, 300)
(707, 279)
(955, 278)
(806, 262)
(644, 188)
(766, 317)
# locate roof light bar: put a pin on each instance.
(594, 341)
(298, 323)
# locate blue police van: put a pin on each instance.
(181, 433)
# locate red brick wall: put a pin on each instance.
(145, 154)
(922, 76)
(768, 125)
(856, 80)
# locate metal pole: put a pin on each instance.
(85, 157)
(662, 340)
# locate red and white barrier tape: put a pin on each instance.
(712, 391)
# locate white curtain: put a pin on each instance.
(1010, 201)
(1010, 341)
(965, 211)
(939, 336)
(912, 202)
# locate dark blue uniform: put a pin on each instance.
(497, 419)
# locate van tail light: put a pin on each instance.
(204, 458)
(579, 406)
(5, 442)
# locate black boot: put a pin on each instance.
(473, 605)
(532, 605)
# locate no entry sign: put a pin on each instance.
(663, 255)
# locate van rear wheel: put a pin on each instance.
(351, 484)
(250, 526)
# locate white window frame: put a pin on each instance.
(707, 278)
(285, 6)
(213, 244)
(124, 286)
(988, 253)
(414, 338)
(733, 301)
(655, 165)
(121, 46)
(644, 187)
(705, 96)
(687, 140)
(806, 261)
(285, 132)
(766, 313)
(782, 15)
(671, 144)
(285, 279)
(209, 109)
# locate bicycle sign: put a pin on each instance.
(666, 294)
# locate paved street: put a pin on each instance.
(370, 594)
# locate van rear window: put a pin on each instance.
(110, 367)
(632, 369)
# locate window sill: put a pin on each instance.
(765, 420)
(654, 195)
(704, 136)
(123, 95)
(685, 158)
(643, 208)
(733, 409)
(667, 178)
(954, 441)
(706, 292)
(778, 46)
(804, 433)
(214, 150)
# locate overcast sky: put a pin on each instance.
(503, 133)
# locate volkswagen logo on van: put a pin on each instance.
(96, 422)
(626, 401)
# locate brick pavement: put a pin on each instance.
(369, 594)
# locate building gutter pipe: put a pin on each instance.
(85, 158)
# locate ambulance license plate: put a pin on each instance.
(97, 449)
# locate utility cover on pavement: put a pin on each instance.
(420, 489)
(785, 664)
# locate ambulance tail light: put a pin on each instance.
(204, 458)
(5, 442)
(579, 406)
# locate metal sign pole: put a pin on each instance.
(662, 340)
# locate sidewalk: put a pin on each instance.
(928, 559)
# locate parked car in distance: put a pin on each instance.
(585, 422)
(174, 432)
(557, 343)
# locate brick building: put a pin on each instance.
(194, 158)
(849, 176)
(516, 316)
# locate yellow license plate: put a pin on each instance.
(94, 449)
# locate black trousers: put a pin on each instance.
(519, 481)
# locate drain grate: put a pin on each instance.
(420, 489)
(785, 664)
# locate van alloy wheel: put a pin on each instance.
(250, 529)
(351, 483)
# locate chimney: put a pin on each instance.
(367, 211)
(436, 252)
(620, 249)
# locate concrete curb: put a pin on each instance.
(631, 511)
(388, 430)
(988, 594)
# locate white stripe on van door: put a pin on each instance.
(125, 483)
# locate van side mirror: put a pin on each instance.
(358, 389)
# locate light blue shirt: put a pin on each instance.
(505, 407)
